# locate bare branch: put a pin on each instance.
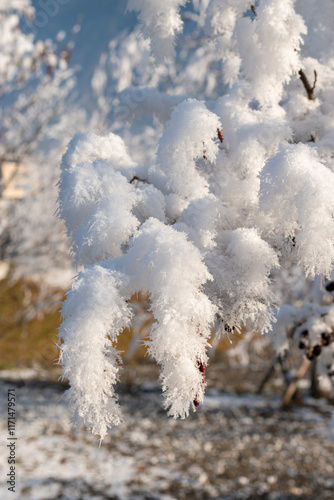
(306, 83)
(294, 384)
(204, 152)
(135, 178)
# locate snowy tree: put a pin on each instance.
(239, 185)
(35, 82)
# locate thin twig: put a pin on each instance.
(306, 83)
(135, 178)
(267, 377)
(294, 384)
(220, 135)
(204, 152)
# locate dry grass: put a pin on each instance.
(28, 339)
(25, 338)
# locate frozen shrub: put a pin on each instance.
(229, 198)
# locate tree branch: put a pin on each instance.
(306, 83)
(135, 178)
(253, 9)
(294, 384)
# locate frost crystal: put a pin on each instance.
(207, 223)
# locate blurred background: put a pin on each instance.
(53, 100)
(76, 60)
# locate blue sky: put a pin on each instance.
(102, 20)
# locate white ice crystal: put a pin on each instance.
(297, 195)
(206, 224)
(161, 21)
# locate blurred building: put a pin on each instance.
(13, 180)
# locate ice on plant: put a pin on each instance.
(216, 230)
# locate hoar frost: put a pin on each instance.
(205, 225)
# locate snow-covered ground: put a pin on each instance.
(234, 446)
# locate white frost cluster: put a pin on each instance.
(241, 265)
(262, 47)
(205, 226)
(191, 122)
(178, 340)
(297, 196)
(161, 21)
(269, 48)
